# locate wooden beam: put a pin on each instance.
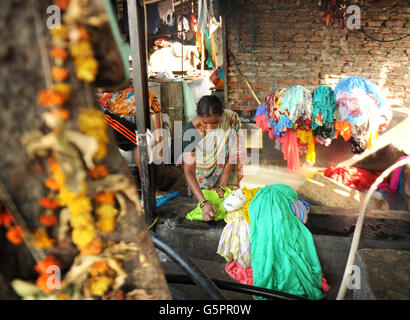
(139, 75)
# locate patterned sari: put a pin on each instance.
(218, 147)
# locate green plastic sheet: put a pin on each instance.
(284, 256)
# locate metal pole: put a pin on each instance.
(139, 75)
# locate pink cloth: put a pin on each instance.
(395, 177)
(240, 273)
(290, 150)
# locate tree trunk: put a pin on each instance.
(21, 78)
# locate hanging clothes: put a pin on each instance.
(297, 105)
(202, 15)
(283, 253)
(208, 61)
(166, 11)
(290, 150)
(323, 106)
(363, 105)
(153, 18)
(306, 137)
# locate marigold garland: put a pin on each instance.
(105, 198)
(41, 239)
(15, 234)
(59, 73)
(6, 219)
(48, 220)
(100, 171)
(92, 123)
(93, 248)
(49, 203)
(50, 98)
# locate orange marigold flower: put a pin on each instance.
(45, 263)
(63, 4)
(99, 268)
(6, 219)
(41, 282)
(59, 73)
(83, 33)
(52, 184)
(50, 98)
(58, 53)
(49, 203)
(99, 171)
(105, 197)
(41, 239)
(61, 113)
(15, 234)
(48, 220)
(93, 248)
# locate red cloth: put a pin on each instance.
(355, 178)
(290, 150)
(325, 286)
(240, 273)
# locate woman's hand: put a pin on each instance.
(209, 211)
(219, 192)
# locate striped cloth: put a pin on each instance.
(300, 209)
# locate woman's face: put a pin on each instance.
(210, 122)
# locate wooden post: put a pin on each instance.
(139, 74)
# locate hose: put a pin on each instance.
(359, 225)
(197, 275)
(238, 287)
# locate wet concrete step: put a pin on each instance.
(384, 275)
(215, 269)
(332, 233)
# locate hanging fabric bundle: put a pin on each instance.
(283, 253)
(363, 105)
(323, 106)
(269, 116)
(297, 105)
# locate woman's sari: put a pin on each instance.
(218, 147)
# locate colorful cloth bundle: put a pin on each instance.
(300, 209)
(323, 107)
(297, 105)
(355, 178)
(361, 103)
(284, 256)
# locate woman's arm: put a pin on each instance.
(208, 210)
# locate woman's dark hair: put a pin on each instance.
(209, 105)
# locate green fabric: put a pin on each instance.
(209, 62)
(213, 198)
(284, 256)
(189, 102)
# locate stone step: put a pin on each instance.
(332, 233)
(384, 275)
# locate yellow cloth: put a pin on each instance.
(306, 137)
(250, 194)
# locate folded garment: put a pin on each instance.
(235, 243)
(234, 201)
(239, 273)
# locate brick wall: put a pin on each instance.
(312, 54)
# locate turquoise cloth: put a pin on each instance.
(324, 102)
(213, 198)
(284, 256)
(189, 102)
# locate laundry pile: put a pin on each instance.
(298, 118)
(266, 243)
